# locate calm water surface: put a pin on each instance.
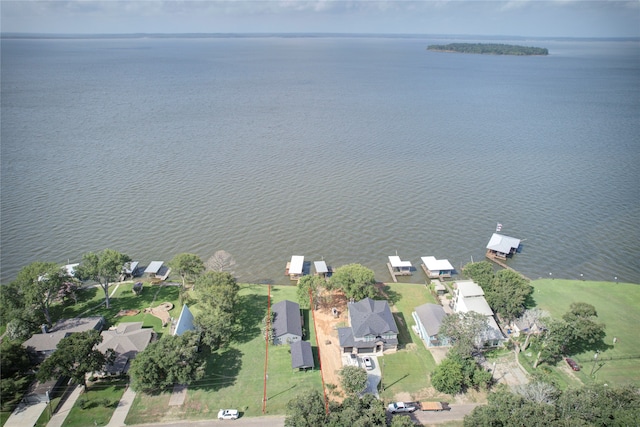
(344, 148)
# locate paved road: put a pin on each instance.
(269, 421)
(457, 413)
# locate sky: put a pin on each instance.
(526, 18)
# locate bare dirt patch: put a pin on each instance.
(327, 335)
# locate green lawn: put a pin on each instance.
(235, 376)
(618, 307)
(91, 304)
(96, 405)
(407, 370)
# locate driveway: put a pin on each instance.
(373, 376)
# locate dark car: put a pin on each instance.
(572, 363)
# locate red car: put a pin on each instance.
(572, 363)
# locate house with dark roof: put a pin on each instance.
(301, 355)
(372, 328)
(428, 318)
(126, 340)
(287, 322)
(40, 346)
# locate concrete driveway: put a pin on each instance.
(373, 376)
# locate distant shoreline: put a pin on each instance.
(490, 49)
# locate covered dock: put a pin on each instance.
(397, 267)
(156, 270)
(322, 269)
(502, 247)
(295, 267)
(436, 268)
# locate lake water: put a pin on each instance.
(347, 149)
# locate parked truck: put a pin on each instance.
(434, 406)
(401, 407)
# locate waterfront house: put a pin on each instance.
(40, 346)
(372, 328)
(428, 318)
(501, 246)
(469, 296)
(437, 268)
(287, 322)
(126, 340)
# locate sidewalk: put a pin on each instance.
(26, 415)
(119, 415)
(59, 417)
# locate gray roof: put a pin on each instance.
(431, 316)
(503, 244)
(301, 355)
(127, 340)
(286, 318)
(47, 342)
(154, 267)
(321, 267)
(346, 339)
(371, 317)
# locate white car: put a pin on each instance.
(368, 363)
(228, 414)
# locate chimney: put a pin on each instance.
(45, 329)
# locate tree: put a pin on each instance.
(306, 283)
(187, 264)
(18, 329)
(218, 295)
(353, 379)
(365, 411)
(356, 281)
(448, 377)
(480, 272)
(402, 421)
(538, 392)
(583, 332)
(39, 283)
(221, 261)
(75, 357)
(465, 330)
(170, 360)
(507, 294)
(593, 405)
(14, 373)
(306, 410)
(103, 267)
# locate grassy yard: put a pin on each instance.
(407, 370)
(234, 377)
(618, 307)
(96, 405)
(91, 303)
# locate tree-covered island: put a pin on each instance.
(489, 49)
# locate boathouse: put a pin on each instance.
(322, 269)
(437, 268)
(399, 267)
(501, 246)
(295, 267)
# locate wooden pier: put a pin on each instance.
(394, 273)
(491, 257)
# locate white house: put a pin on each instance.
(469, 296)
